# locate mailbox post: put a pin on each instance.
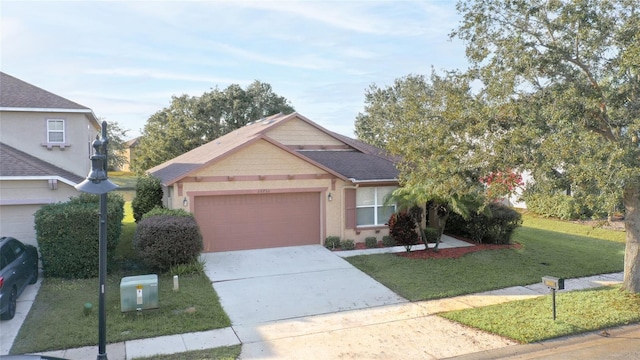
(554, 284)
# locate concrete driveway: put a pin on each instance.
(257, 286)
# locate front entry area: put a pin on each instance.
(257, 221)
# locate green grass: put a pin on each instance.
(568, 227)
(123, 179)
(543, 252)
(56, 320)
(531, 320)
(221, 353)
(126, 182)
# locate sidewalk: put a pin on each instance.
(379, 332)
(619, 343)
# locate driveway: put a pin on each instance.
(257, 286)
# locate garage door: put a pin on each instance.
(18, 221)
(255, 221)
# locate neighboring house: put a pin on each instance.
(281, 181)
(45, 143)
(129, 154)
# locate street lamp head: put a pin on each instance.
(97, 182)
(96, 186)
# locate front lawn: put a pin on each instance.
(57, 319)
(577, 311)
(543, 252)
(123, 179)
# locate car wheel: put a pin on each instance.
(11, 309)
(34, 278)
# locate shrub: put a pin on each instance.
(68, 235)
(164, 211)
(402, 228)
(148, 196)
(494, 227)
(164, 241)
(565, 207)
(371, 242)
(194, 267)
(387, 240)
(332, 242)
(431, 234)
(347, 244)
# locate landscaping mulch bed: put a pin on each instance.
(451, 253)
(454, 253)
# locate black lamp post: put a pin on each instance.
(97, 182)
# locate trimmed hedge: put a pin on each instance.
(163, 241)
(68, 235)
(431, 234)
(164, 211)
(371, 242)
(387, 241)
(493, 228)
(148, 196)
(332, 242)
(562, 206)
(347, 244)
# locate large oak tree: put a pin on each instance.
(563, 80)
(553, 88)
(192, 121)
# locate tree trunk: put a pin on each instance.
(631, 200)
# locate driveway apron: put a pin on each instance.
(265, 285)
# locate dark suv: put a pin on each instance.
(18, 268)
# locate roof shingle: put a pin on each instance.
(16, 163)
(355, 165)
(363, 163)
(15, 93)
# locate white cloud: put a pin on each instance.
(162, 75)
(125, 59)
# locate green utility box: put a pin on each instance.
(139, 293)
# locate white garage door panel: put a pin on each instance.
(17, 221)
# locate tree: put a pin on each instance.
(562, 83)
(435, 126)
(115, 151)
(557, 87)
(414, 199)
(117, 145)
(191, 121)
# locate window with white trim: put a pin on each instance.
(55, 131)
(370, 207)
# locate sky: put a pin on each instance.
(126, 59)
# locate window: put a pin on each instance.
(370, 208)
(10, 251)
(55, 131)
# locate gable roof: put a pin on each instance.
(133, 142)
(364, 162)
(355, 165)
(18, 165)
(18, 95)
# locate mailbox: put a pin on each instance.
(139, 293)
(553, 282)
